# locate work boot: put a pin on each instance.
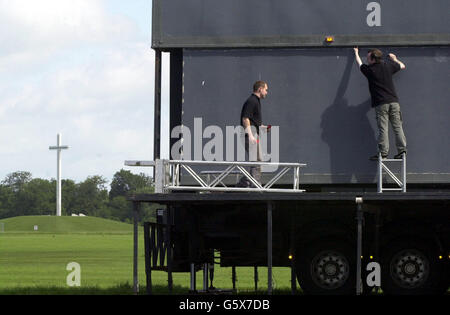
(375, 157)
(400, 155)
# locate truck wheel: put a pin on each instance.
(411, 266)
(327, 267)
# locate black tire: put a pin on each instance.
(412, 267)
(327, 267)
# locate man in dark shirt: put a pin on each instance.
(251, 120)
(384, 99)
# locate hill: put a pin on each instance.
(60, 225)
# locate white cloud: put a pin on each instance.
(31, 32)
(72, 67)
(59, 23)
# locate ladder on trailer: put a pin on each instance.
(382, 166)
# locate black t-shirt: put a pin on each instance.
(381, 86)
(252, 111)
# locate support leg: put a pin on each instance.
(169, 247)
(255, 276)
(293, 277)
(404, 172)
(233, 277)
(359, 219)
(193, 279)
(148, 264)
(205, 277)
(211, 274)
(157, 107)
(269, 248)
(377, 239)
(136, 207)
(380, 174)
(292, 258)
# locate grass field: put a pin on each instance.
(34, 262)
(64, 225)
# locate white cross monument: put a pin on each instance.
(58, 147)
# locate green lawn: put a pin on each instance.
(34, 262)
(64, 225)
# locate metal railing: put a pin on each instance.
(383, 167)
(168, 174)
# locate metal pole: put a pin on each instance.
(255, 276)
(404, 172)
(292, 258)
(205, 277)
(169, 247)
(157, 108)
(193, 282)
(269, 247)
(148, 266)
(211, 273)
(377, 237)
(233, 277)
(380, 174)
(135, 247)
(359, 218)
(293, 277)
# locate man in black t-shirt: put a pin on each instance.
(384, 99)
(251, 120)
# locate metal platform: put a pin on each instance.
(372, 197)
(168, 173)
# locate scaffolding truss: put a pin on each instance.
(401, 183)
(168, 173)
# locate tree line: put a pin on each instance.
(23, 195)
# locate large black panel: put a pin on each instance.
(321, 102)
(269, 23)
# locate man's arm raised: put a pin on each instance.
(358, 59)
(394, 58)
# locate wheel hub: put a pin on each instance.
(330, 269)
(410, 268)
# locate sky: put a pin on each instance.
(84, 69)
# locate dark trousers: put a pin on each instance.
(252, 154)
(386, 113)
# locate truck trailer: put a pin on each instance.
(323, 208)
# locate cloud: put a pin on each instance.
(76, 68)
(32, 31)
(59, 23)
